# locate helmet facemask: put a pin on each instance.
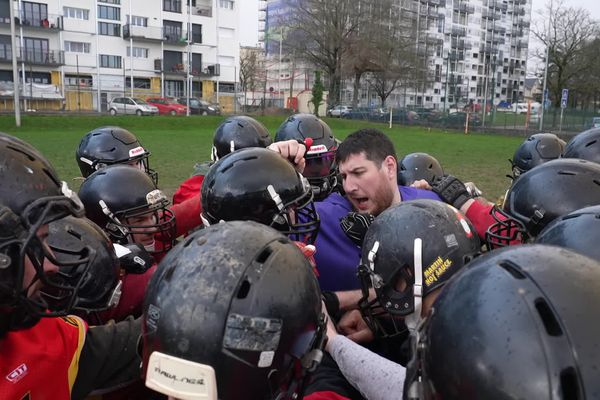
(505, 231)
(298, 218)
(22, 243)
(162, 219)
(321, 171)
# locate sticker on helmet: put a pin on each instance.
(181, 378)
(136, 151)
(266, 359)
(320, 148)
(451, 240)
(152, 316)
(252, 333)
(154, 197)
(435, 271)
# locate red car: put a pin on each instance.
(167, 106)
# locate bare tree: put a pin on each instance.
(319, 32)
(566, 32)
(251, 73)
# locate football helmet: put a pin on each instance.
(512, 317)
(410, 250)
(238, 132)
(109, 145)
(31, 196)
(535, 150)
(585, 145)
(100, 286)
(124, 201)
(578, 231)
(234, 311)
(321, 169)
(259, 185)
(415, 166)
(544, 193)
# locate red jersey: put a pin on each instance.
(41, 362)
(188, 189)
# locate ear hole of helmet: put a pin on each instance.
(244, 289)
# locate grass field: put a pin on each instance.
(177, 143)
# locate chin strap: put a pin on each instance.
(412, 320)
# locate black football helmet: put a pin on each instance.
(541, 195)
(419, 243)
(516, 323)
(578, 231)
(31, 196)
(234, 311)
(259, 185)
(321, 169)
(585, 145)
(99, 284)
(535, 150)
(238, 132)
(111, 145)
(415, 166)
(115, 195)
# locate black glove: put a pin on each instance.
(355, 226)
(134, 259)
(451, 190)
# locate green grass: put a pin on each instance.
(177, 143)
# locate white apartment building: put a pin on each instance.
(477, 53)
(89, 51)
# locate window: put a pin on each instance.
(34, 13)
(76, 13)
(172, 5)
(77, 47)
(173, 88)
(226, 4)
(5, 48)
(108, 29)
(172, 31)
(74, 80)
(136, 20)
(138, 52)
(106, 12)
(138, 83)
(110, 1)
(107, 61)
(36, 50)
(196, 33)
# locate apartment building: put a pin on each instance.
(476, 53)
(79, 54)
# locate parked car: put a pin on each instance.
(167, 106)
(339, 111)
(457, 120)
(202, 107)
(131, 105)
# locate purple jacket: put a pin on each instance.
(337, 257)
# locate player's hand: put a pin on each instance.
(355, 226)
(292, 151)
(354, 327)
(421, 184)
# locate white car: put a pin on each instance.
(338, 111)
(131, 105)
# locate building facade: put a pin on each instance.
(79, 54)
(476, 54)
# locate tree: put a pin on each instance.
(566, 33)
(249, 70)
(319, 32)
(317, 93)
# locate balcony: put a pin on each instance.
(182, 69)
(490, 14)
(458, 31)
(46, 22)
(464, 8)
(487, 49)
(203, 8)
(210, 70)
(154, 34)
(498, 5)
(523, 23)
(460, 45)
(48, 58)
(456, 56)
